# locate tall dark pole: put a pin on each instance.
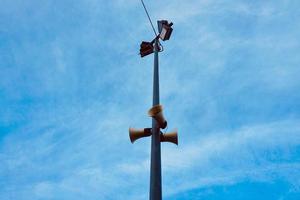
(155, 168)
(156, 112)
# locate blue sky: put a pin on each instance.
(72, 84)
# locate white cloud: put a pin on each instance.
(250, 153)
(74, 143)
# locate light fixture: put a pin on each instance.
(146, 48)
(165, 29)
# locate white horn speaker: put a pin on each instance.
(135, 134)
(169, 137)
(157, 114)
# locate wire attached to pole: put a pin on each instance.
(149, 18)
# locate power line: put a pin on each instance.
(149, 18)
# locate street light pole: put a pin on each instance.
(156, 112)
(155, 166)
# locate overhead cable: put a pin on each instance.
(149, 18)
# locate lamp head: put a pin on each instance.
(164, 29)
(146, 48)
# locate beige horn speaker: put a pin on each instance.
(169, 137)
(157, 114)
(135, 134)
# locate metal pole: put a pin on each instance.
(155, 168)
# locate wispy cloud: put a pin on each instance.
(256, 153)
(72, 83)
